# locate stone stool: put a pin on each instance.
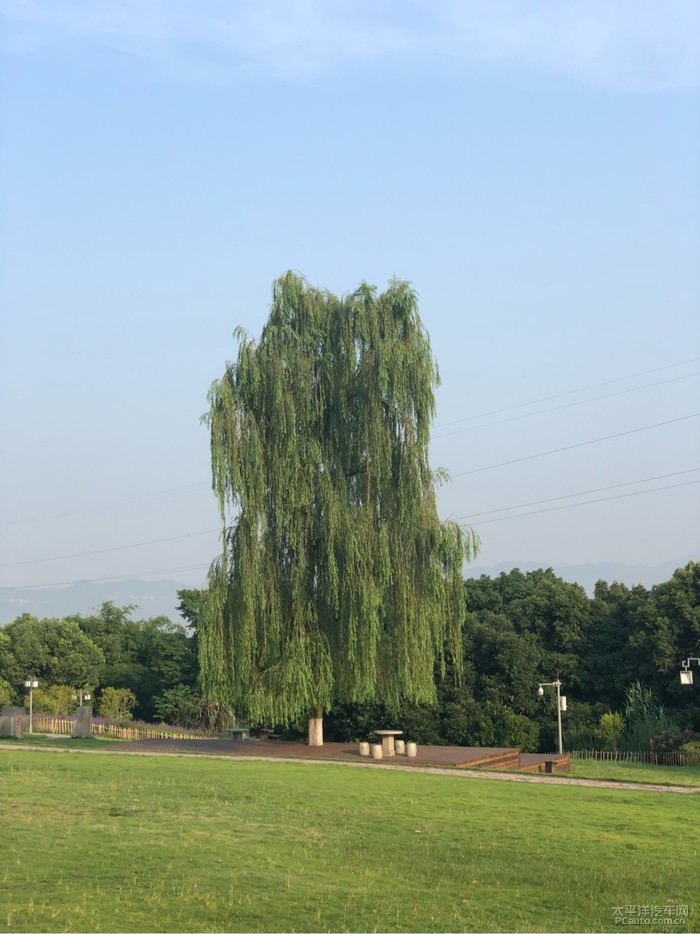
(364, 749)
(400, 747)
(411, 750)
(377, 751)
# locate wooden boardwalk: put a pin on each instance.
(457, 757)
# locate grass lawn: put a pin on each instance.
(636, 772)
(44, 739)
(127, 843)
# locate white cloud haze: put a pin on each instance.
(627, 44)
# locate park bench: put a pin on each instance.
(266, 733)
(238, 733)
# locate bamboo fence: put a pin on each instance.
(647, 757)
(64, 725)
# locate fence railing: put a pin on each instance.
(64, 726)
(646, 757)
(47, 724)
(137, 732)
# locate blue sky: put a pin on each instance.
(532, 169)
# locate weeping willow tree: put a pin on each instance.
(337, 581)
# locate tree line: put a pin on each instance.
(616, 653)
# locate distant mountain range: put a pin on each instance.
(159, 598)
(151, 598)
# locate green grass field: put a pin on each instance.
(636, 772)
(126, 843)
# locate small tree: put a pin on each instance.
(178, 706)
(116, 704)
(610, 728)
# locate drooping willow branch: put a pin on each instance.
(338, 581)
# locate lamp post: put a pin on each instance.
(561, 705)
(82, 695)
(686, 673)
(31, 683)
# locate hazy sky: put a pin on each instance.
(531, 167)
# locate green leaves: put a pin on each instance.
(337, 580)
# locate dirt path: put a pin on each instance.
(455, 773)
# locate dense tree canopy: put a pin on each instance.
(146, 656)
(338, 581)
(55, 651)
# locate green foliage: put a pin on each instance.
(177, 706)
(147, 657)
(610, 729)
(213, 716)
(116, 703)
(7, 695)
(692, 752)
(672, 742)
(644, 718)
(56, 699)
(337, 582)
(55, 651)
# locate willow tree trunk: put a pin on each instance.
(315, 737)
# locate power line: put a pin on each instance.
(600, 489)
(488, 512)
(202, 485)
(570, 392)
(579, 444)
(110, 504)
(589, 502)
(101, 551)
(116, 577)
(566, 405)
(192, 567)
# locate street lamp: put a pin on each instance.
(686, 673)
(561, 705)
(81, 695)
(31, 683)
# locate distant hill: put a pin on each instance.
(159, 598)
(152, 598)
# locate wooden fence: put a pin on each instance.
(64, 725)
(646, 757)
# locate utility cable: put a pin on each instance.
(588, 502)
(554, 499)
(570, 392)
(101, 551)
(557, 408)
(570, 447)
(117, 577)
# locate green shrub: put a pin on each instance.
(691, 751)
(610, 729)
(7, 697)
(177, 706)
(55, 700)
(116, 704)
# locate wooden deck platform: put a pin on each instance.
(458, 757)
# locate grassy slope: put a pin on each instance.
(102, 843)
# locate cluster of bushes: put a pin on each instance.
(617, 655)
